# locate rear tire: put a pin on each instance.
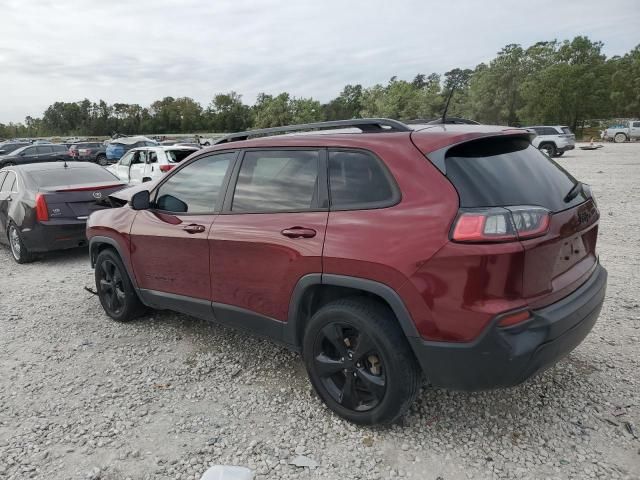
(19, 251)
(620, 138)
(359, 361)
(102, 160)
(115, 290)
(548, 148)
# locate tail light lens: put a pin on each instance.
(42, 211)
(507, 224)
(166, 168)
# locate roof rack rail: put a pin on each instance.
(367, 125)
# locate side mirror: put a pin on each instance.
(141, 200)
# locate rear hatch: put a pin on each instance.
(568, 135)
(73, 193)
(526, 197)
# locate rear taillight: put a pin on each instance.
(166, 168)
(507, 224)
(42, 212)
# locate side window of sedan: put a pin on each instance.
(197, 187)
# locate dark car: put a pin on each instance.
(7, 148)
(460, 253)
(45, 206)
(91, 152)
(35, 154)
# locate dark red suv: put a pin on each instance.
(381, 252)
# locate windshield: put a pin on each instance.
(508, 171)
(71, 176)
(19, 150)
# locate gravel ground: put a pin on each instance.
(83, 397)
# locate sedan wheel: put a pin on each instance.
(18, 250)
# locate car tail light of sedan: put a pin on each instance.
(508, 224)
(42, 211)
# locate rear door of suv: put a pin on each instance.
(269, 234)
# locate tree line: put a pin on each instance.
(546, 83)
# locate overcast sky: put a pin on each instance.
(138, 51)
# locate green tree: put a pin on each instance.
(227, 113)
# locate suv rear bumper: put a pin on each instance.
(503, 357)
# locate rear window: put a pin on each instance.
(176, 156)
(71, 176)
(567, 131)
(508, 171)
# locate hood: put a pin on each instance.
(125, 194)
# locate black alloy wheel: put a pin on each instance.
(350, 367)
(115, 291)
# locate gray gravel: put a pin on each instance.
(82, 397)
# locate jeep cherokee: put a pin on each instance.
(382, 253)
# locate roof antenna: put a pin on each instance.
(446, 107)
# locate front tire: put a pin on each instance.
(102, 160)
(19, 251)
(620, 138)
(115, 290)
(359, 361)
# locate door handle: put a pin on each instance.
(299, 232)
(193, 228)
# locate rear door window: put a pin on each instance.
(358, 180)
(567, 131)
(44, 149)
(277, 181)
(176, 156)
(506, 172)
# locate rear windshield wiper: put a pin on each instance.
(573, 193)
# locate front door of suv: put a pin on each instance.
(270, 232)
(169, 246)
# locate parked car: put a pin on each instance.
(35, 154)
(7, 148)
(118, 147)
(553, 140)
(95, 152)
(45, 206)
(148, 163)
(622, 133)
(457, 252)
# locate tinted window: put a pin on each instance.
(357, 179)
(59, 148)
(507, 171)
(178, 155)
(8, 183)
(196, 187)
(29, 151)
(42, 149)
(636, 124)
(566, 130)
(71, 176)
(276, 181)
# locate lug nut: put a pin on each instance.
(355, 374)
(358, 365)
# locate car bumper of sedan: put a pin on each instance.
(504, 357)
(55, 235)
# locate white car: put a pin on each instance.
(144, 164)
(553, 140)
